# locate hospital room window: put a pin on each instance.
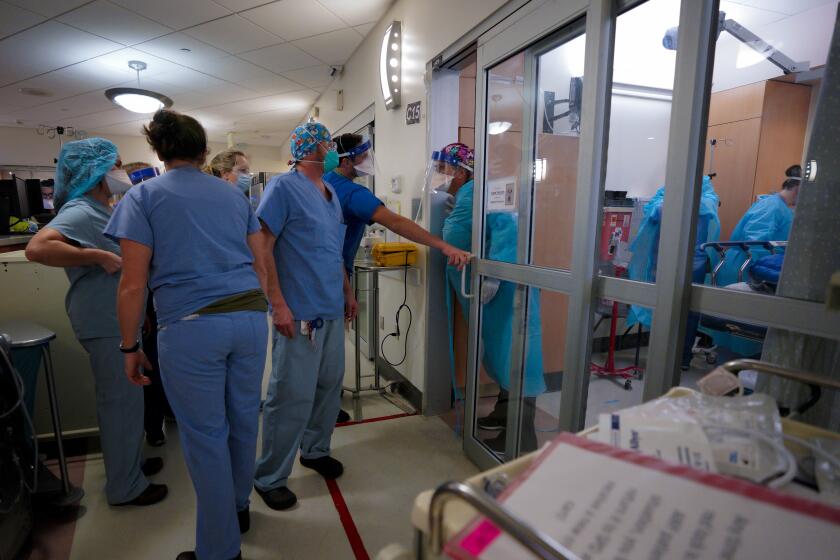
(762, 113)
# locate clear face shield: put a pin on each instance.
(363, 159)
(440, 174)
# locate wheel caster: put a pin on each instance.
(628, 385)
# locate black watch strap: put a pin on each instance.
(130, 350)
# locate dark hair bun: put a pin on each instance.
(173, 135)
(794, 171)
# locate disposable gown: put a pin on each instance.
(497, 314)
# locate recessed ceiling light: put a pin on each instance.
(185, 49)
(35, 92)
(138, 100)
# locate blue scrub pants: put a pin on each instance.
(304, 397)
(212, 366)
(119, 411)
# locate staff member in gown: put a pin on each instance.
(769, 219)
(86, 177)
(206, 277)
(310, 297)
(362, 208)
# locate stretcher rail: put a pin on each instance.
(721, 247)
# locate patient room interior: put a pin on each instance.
(651, 308)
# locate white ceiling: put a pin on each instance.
(252, 66)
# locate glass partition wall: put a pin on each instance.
(592, 203)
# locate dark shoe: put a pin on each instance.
(279, 498)
(155, 439)
(497, 444)
(491, 423)
(244, 518)
(190, 555)
(343, 416)
(327, 467)
(152, 466)
(151, 495)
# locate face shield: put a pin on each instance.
(439, 176)
(362, 158)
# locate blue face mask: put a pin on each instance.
(244, 182)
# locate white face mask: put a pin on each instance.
(118, 181)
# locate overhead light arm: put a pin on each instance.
(759, 45)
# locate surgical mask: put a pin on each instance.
(330, 161)
(117, 181)
(244, 182)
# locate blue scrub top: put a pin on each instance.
(197, 227)
(357, 205)
(307, 253)
(92, 297)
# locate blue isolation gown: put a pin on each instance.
(497, 314)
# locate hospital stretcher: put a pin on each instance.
(440, 514)
(712, 325)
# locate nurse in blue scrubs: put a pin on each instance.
(311, 299)
(87, 175)
(362, 208)
(207, 278)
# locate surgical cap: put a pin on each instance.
(81, 166)
(460, 152)
(305, 139)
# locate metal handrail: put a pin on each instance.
(539, 544)
(806, 377)
(721, 246)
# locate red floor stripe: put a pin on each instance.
(347, 522)
(377, 419)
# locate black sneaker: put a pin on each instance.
(491, 423)
(343, 416)
(244, 518)
(279, 498)
(497, 444)
(152, 466)
(327, 467)
(151, 495)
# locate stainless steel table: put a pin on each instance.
(25, 334)
(371, 268)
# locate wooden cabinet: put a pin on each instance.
(757, 131)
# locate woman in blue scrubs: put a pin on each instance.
(86, 177)
(207, 279)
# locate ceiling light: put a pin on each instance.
(497, 127)
(35, 92)
(389, 78)
(138, 100)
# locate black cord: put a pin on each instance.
(396, 333)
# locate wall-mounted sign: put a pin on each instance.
(412, 113)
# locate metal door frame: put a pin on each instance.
(673, 296)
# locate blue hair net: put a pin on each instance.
(645, 247)
(81, 166)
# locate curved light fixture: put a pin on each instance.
(138, 100)
(390, 65)
(497, 127)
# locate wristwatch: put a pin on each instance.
(132, 349)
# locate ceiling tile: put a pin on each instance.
(46, 47)
(14, 19)
(177, 15)
(331, 48)
(234, 34)
(239, 5)
(365, 29)
(117, 115)
(57, 85)
(247, 75)
(280, 58)
(112, 22)
(49, 8)
(314, 76)
(132, 128)
(63, 111)
(103, 70)
(361, 11)
(295, 19)
(209, 97)
(170, 48)
(187, 79)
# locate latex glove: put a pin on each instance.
(489, 289)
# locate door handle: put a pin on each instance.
(464, 282)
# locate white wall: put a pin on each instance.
(23, 146)
(428, 27)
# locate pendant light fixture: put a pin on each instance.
(497, 127)
(138, 100)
